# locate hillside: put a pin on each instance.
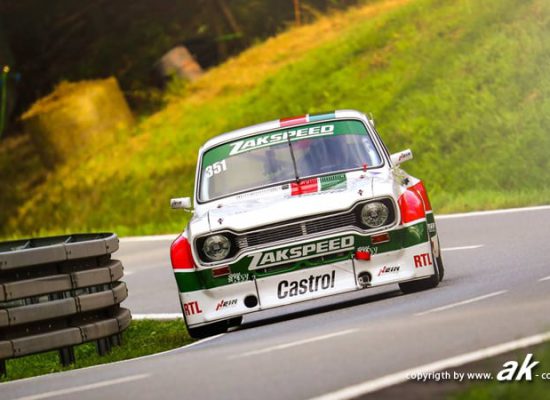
(465, 84)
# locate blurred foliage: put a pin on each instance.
(465, 84)
(69, 40)
(77, 116)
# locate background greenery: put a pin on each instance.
(465, 84)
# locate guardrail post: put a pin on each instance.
(103, 346)
(116, 340)
(66, 356)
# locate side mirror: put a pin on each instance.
(181, 203)
(401, 157)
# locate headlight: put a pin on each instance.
(374, 214)
(216, 247)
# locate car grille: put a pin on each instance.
(296, 230)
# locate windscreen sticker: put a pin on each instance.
(257, 142)
(310, 131)
(215, 169)
(314, 185)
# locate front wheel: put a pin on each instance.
(216, 328)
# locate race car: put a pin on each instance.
(298, 209)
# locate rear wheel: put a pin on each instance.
(431, 281)
(216, 328)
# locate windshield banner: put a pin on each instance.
(301, 132)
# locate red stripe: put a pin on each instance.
(304, 187)
(284, 122)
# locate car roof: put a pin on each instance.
(279, 123)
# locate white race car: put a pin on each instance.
(297, 209)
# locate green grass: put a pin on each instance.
(465, 84)
(140, 339)
(536, 389)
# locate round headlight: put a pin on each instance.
(374, 214)
(216, 247)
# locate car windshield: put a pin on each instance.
(267, 159)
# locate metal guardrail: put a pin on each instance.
(58, 292)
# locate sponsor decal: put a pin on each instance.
(405, 155)
(388, 270)
(226, 304)
(431, 227)
(307, 250)
(307, 285)
(257, 142)
(296, 133)
(192, 308)
(314, 185)
(372, 250)
(422, 260)
(237, 277)
(304, 186)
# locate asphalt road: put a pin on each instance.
(496, 290)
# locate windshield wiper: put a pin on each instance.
(293, 160)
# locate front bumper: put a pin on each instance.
(208, 305)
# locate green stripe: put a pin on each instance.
(321, 117)
(332, 182)
(399, 239)
(189, 281)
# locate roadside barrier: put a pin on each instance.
(58, 292)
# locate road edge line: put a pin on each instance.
(491, 212)
(83, 388)
(172, 236)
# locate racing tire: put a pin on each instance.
(216, 328)
(430, 282)
(439, 261)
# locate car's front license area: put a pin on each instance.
(308, 269)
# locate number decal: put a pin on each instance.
(215, 168)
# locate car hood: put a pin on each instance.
(259, 208)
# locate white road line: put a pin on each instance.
(491, 212)
(129, 360)
(475, 246)
(83, 388)
(402, 376)
(157, 316)
(293, 344)
(544, 279)
(202, 341)
(154, 238)
(461, 303)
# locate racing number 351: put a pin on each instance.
(216, 168)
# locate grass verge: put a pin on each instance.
(140, 339)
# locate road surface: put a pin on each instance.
(496, 290)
